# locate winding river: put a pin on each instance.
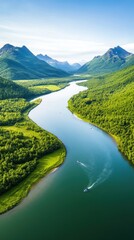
(91, 196)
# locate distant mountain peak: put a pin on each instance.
(117, 52)
(65, 66)
(21, 63)
(24, 48)
(114, 59)
(44, 57)
(6, 47)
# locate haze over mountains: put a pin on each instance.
(113, 60)
(20, 63)
(65, 66)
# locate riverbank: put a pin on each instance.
(108, 103)
(59, 200)
(46, 164)
(115, 138)
(53, 157)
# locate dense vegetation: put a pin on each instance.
(22, 144)
(50, 81)
(27, 152)
(38, 87)
(109, 104)
(30, 88)
(8, 89)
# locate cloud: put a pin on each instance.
(129, 47)
(47, 42)
(71, 50)
(61, 48)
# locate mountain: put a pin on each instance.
(65, 66)
(9, 89)
(20, 63)
(109, 104)
(113, 60)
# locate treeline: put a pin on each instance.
(109, 103)
(30, 88)
(9, 89)
(49, 81)
(22, 143)
(11, 110)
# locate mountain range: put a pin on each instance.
(65, 66)
(114, 59)
(20, 63)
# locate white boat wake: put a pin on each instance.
(96, 176)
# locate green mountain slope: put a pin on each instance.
(9, 89)
(113, 60)
(109, 104)
(20, 63)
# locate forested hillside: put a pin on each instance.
(9, 89)
(25, 150)
(109, 104)
(27, 88)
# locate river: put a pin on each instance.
(59, 207)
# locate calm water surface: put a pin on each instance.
(58, 208)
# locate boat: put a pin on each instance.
(88, 188)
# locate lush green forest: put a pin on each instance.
(26, 88)
(9, 89)
(39, 87)
(22, 145)
(27, 152)
(31, 88)
(109, 104)
(49, 81)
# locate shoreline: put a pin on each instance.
(25, 185)
(114, 138)
(18, 193)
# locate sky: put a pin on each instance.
(72, 30)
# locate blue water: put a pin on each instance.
(58, 208)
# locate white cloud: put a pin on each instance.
(72, 50)
(129, 47)
(46, 41)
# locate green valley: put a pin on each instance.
(27, 152)
(37, 87)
